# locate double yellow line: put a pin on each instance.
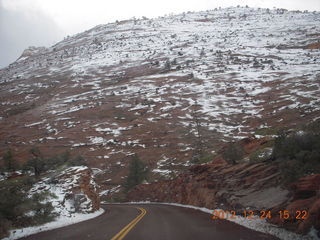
(127, 228)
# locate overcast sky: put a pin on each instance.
(26, 23)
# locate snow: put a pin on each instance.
(112, 190)
(57, 223)
(34, 124)
(115, 132)
(232, 39)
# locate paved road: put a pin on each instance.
(152, 222)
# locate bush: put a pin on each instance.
(43, 211)
(266, 131)
(233, 153)
(298, 154)
(4, 227)
(205, 158)
(9, 161)
(17, 209)
(38, 164)
(78, 161)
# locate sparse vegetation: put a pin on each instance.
(260, 155)
(266, 131)
(39, 164)
(298, 153)
(19, 109)
(17, 209)
(119, 197)
(205, 158)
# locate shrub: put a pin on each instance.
(78, 161)
(266, 131)
(298, 154)
(4, 226)
(233, 153)
(205, 158)
(9, 161)
(39, 164)
(43, 211)
(167, 65)
(17, 209)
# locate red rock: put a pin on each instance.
(306, 187)
(305, 192)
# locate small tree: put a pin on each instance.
(9, 161)
(37, 162)
(16, 205)
(167, 65)
(199, 142)
(65, 157)
(78, 161)
(137, 173)
(233, 153)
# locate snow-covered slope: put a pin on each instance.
(135, 86)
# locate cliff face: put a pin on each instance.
(84, 190)
(218, 185)
(238, 187)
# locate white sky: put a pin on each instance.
(73, 16)
(48, 21)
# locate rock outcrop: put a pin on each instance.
(32, 51)
(303, 208)
(218, 185)
(74, 189)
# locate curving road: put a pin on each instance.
(152, 222)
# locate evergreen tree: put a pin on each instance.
(9, 162)
(199, 146)
(137, 173)
(37, 163)
(233, 153)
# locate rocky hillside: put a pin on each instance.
(149, 86)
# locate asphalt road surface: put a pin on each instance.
(152, 222)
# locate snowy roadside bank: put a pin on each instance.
(59, 222)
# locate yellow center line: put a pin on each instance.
(120, 235)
